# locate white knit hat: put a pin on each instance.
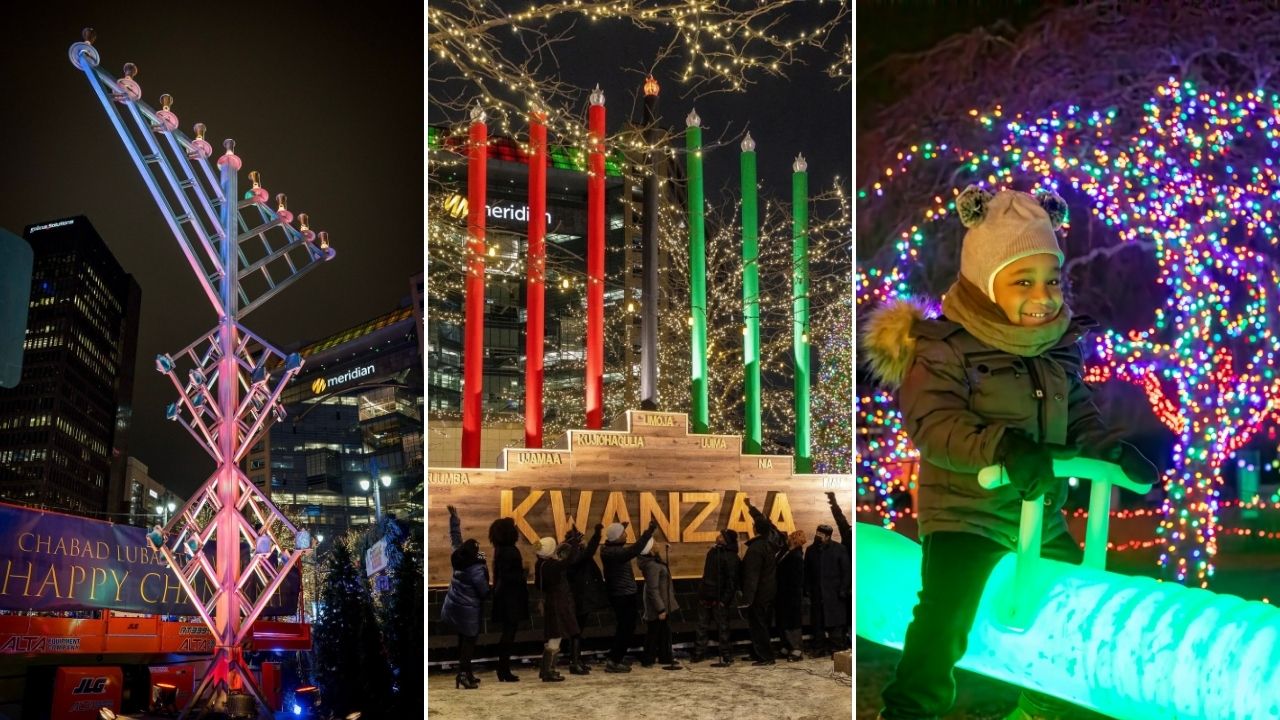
(1003, 229)
(546, 547)
(613, 532)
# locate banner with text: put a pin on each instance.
(54, 562)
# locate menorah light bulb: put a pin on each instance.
(477, 113)
(129, 86)
(89, 35)
(651, 86)
(168, 121)
(324, 240)
(200, 148)
(229, 157)
(304, 222)
(800, 165)
(748, 145)
(597, 96)
(257, 193)
(282, 208)
(692, 119)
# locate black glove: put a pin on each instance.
(653, 524)
(1137, 467)
(1028, 464)
(599, 528)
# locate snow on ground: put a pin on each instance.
(806, 690)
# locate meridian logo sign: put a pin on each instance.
(456, 205)
(319, 385)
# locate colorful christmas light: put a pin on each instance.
(1193, 175)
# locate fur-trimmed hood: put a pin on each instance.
(888, 341)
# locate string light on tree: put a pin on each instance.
(1192, 175)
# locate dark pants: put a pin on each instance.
(838, 637)
(505, 641)
(466, 651)
(954, 571)
(718, 614)
(624, 616)
(789, 624)
(818, 623)
(657, 641)
(759, 617)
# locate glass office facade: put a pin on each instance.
(354, 410)
(64, 429)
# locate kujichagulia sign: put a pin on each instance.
(50, 561)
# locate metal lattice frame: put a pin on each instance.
(243, 253)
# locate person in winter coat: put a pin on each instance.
(995, 381)
(720, 580)
(510, 591)
(842, 522)
(835, 585)
(759, 583)
(559, 619)
(467, 591)
(822, 645)
(620, 581)
(659, 603)
(587, 584)
(790, 602)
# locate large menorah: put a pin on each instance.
(229, 396)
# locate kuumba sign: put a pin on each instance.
(683, 516)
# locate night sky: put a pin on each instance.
(805, 112)
(324, 99)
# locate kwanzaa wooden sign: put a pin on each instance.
(648, 467)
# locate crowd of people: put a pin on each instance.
(766, 585)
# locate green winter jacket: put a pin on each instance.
(958, 396)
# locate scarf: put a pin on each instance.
(967, 305)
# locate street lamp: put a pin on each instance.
(365, 484)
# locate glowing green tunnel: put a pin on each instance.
(1131, 648)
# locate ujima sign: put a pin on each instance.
(650, 468)
(50, 561)
(320, 384)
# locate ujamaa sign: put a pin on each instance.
(650, 467)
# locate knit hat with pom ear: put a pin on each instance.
(1003, 229)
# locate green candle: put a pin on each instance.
(750, 298)
(800, 307)
(697, 274)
